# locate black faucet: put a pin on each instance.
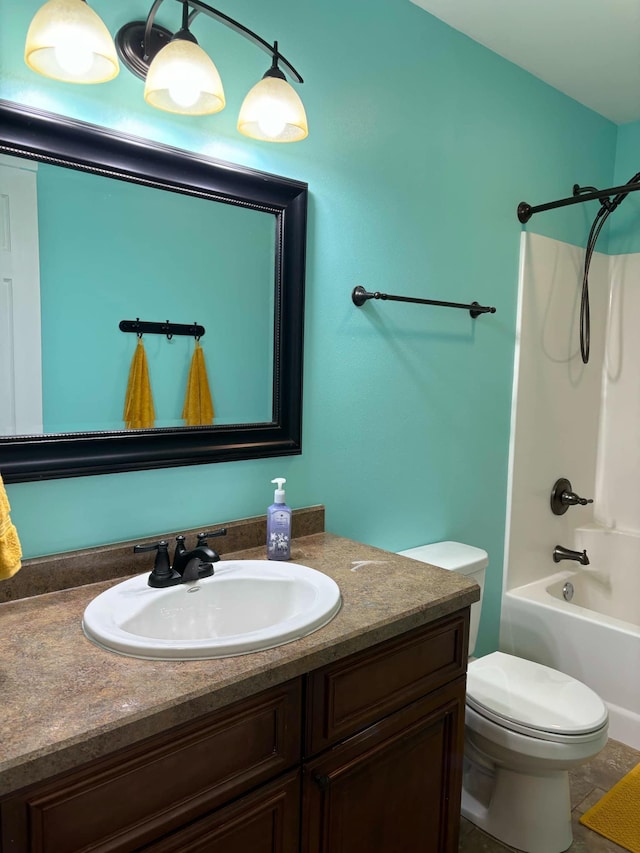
(187, 565)
(560, 553)
(195, 564)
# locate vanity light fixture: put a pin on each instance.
(182, 78)
(68, 41)
(272, 110)
(179, 76)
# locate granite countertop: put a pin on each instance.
(65, 701)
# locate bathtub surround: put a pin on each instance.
(556, 402)
(579, 422)
(617, 489)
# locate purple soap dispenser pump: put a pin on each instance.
(279, 525)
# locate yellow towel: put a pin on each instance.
(10, 550)
(138, 405)
(198, 408)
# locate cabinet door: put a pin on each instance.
(266, 821)
(394, 787)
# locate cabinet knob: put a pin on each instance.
(322, 782)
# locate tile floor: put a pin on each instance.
(588, 784)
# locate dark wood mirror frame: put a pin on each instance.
(49, 138)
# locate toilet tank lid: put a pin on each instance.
(454, 556)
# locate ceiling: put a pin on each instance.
(588, 49)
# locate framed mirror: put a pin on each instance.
(128, 227)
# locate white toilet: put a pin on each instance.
(526, 726)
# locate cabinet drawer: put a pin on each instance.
(265, 821)
(141, 793)
(349, 695)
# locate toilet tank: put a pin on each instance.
(457, 557)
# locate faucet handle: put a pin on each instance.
(571, 499)
(202, 537)
(563, 496)
(162, 573)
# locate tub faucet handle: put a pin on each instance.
(563, 496)
(571, 499)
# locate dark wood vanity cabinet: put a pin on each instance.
(364, 754)
(383, 745)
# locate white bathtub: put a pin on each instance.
(595, 637)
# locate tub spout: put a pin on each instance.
(560, 553)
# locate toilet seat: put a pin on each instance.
(534, 700)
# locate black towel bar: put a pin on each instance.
(359, 296)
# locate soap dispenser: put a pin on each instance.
(279, 525)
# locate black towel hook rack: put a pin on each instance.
(146, 327)
(359, 296)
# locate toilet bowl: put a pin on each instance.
(526, 726)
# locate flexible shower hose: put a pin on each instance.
(606, 209)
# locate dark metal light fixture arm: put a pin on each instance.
(359, 296)
(198, 7)
(147, 30)
(245, 31)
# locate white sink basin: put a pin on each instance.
(247, 606)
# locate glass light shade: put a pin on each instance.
(68, 41)
(183, 79)
(273, 112)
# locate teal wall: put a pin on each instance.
(157, 256)
(421, 145)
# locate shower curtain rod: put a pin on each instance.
(580, 194)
